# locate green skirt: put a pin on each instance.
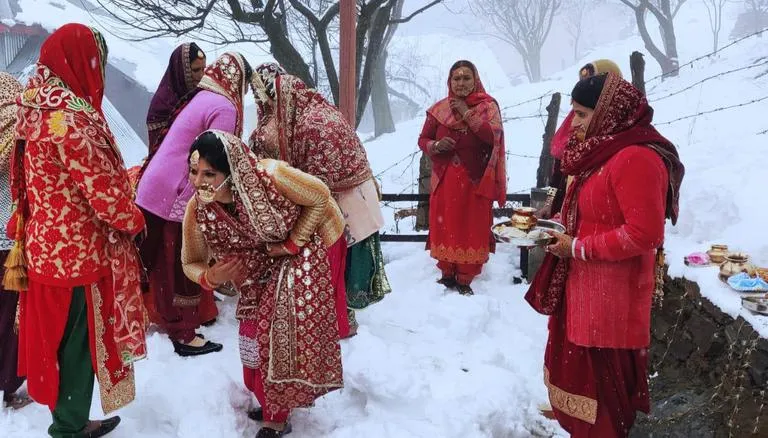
(365, 277)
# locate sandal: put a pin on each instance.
(16, 401)
(268, 432)
(465, 289)
(448, 282)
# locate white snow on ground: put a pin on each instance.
(425, 363)
(431, 364)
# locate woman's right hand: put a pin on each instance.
(226, 270)
(445, 144)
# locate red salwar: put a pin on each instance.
(627, 180)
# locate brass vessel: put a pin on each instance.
(717, 254)
(735, 263)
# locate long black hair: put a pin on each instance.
(211, 149)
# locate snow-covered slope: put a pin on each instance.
(431, 364)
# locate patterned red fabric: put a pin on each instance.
(486, 112)
(623, 118)
(76, 54)
(288, 302)
(313, 137)
(74, 194)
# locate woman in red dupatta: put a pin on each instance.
(297, 125)
(80, 311)
(268, 226)
(464, 138)
(599, 279)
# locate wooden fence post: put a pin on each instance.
(546, 161)
(425, 175)
(637, 66)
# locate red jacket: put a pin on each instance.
(620, 225)
(77, 189)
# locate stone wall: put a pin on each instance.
(709, 371)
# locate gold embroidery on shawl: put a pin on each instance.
(113, 397)
(576, 406)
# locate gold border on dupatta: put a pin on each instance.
(612, 82)
(113, 397)
(573, 405)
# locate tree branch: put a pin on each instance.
(247, 17)
(415, 13)
(303, 10)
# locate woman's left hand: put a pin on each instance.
(277, 250)
(460, 106)
(562, 246)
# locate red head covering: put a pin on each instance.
(77, 54)
(493, 184)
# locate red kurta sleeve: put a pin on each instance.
(480, 128)
(639, 180)
(104, 184)
(428, 134)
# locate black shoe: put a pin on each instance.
(268, 432)
(448, 282)
(464, 289)
(188, 350)
(208, 323)
(256, 414)
(105, 426)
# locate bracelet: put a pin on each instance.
(291, 247)
(573, 247)
(205, 283)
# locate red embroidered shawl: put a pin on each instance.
(313, 135)
(290, 300)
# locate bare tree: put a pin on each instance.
(273, 22)
(573, 12)
(525, 24)
(664, 11)
(715, 15)
(753, 19)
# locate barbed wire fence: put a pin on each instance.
(509, 116)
